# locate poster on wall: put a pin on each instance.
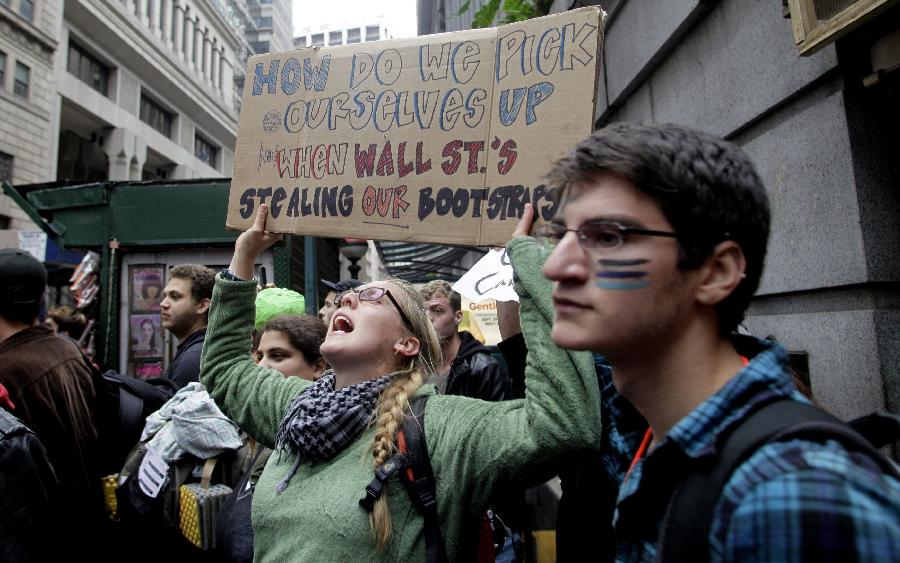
(147, 370)
(146, 288)
(146, 336)
(480, 319)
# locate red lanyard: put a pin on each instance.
(648, 436)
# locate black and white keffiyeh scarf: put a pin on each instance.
(322, 421)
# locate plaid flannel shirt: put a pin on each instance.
(790, 501)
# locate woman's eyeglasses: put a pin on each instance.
(593, 235)
(374, 294)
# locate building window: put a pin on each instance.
(26, 9)
(318, 39)
(21, 79)
(206, 151)
(6, 167)
(87, 68)
(335, 37)
(155, 116)
(353, 36)
(2, 70)
(372, 33)
(260, 47)
(817, 23)
(265, 21)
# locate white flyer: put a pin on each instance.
(490, 278)
(153, 473)
(34, 242)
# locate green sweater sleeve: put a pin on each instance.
(477, 446)
(255, 398)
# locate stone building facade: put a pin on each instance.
(28, 42)
(118, 90)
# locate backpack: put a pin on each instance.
(480, 535)
(123, 404)
(685, 529)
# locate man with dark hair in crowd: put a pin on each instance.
(335, 289)
(52, 389)
(468, 368)
(655, 251)
(184, 312)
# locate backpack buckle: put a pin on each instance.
(382, 474)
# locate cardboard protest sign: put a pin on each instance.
(441, 138)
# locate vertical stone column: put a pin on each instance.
(222, 72)
(178, 40)
(119, 148)
(207, 55)
(154, 18)
(142, 11)
(214, 66)
(227, 80)
(166, 31)
(138, 158)
(198, 46)
(189, 40)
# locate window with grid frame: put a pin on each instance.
(21, 80)
(205, 150)
(2, 70)
(156, 116)
(88, 68)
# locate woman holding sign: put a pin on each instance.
(333, 437)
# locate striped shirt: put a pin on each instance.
(790, 501)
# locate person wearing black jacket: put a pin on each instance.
(28, 492)
(185, 311)
(468, 368)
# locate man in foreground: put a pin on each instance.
(655, 252)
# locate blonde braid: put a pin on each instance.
(393, 404)
(390, 412)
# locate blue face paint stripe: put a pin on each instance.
(621, 274)
(622, 285)
(636, 262)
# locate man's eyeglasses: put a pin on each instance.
(374, 294)
(593, 235)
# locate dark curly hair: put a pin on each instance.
(202, 279)
(305, 332)
(706, 187)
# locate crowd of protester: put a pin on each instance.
(380, 431)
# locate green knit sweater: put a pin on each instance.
(474, 445)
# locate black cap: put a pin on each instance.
(342, 285)
(22, 277)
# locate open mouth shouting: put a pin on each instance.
(341, 324)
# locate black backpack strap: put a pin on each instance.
(686, 526)
(422, 490)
